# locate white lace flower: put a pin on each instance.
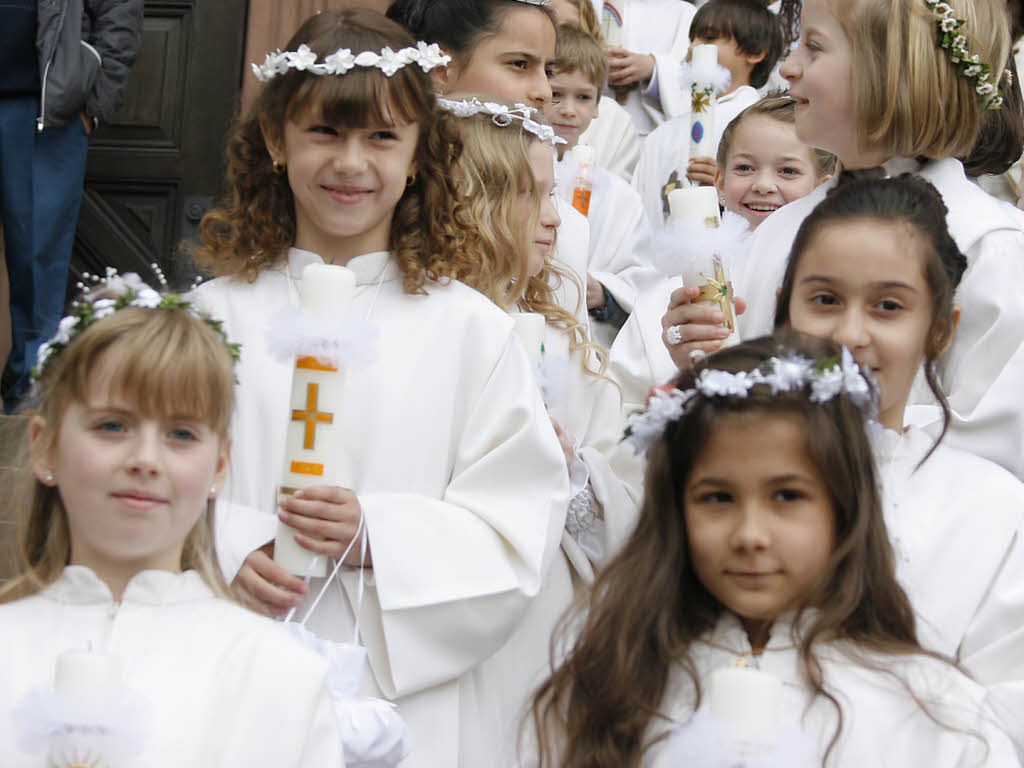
(367, 59)
(430, 56)
(788, 373)
(716, 383)
(303, 59)
(340, 62)
(390, 62)
(43, 354)
(147, 298)
(973, 70)
(65, 329)
(948, 25)
(959, 41)
(827, 384)
(854, 383)
(985, 88)
(103, 308)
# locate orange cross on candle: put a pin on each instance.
(312, 416)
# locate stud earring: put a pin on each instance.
(48, 476)
(410, 180)
(213, 490)
(279, 168)
(721, 201)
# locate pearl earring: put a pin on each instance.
(213, 490)
(48, 476)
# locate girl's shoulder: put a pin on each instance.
(973, 213)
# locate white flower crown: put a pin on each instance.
(108, 294)
(342, 60)
(827, 378)
(502, 115)
(967, 64)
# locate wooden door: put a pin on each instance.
(158, 165)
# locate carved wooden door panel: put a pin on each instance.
(158, 165)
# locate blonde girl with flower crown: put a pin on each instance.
(753, 617)
(885, 86)
(447, 454)
(119, 601)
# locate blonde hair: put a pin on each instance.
(588, 20)
(168, 361)
(578, 51)
(494, 174)
(908, 98)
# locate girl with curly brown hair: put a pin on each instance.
(445, 450)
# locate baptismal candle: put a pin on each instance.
(703, 103)
(748, 703)
(584, 184)
(530, 327)
(85, 678)
(698, 207)
(311, 441)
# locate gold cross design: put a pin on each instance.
(718, 291)
(701, 101)
(312, 416)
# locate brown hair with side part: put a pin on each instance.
(600, 708)
(576, 51)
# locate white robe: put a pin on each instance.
(614, 139)
(957, 527)
(572, 253)
(661, 28)
(617, 223)
(882, 724)
(460, 478)
(638, 360)
(668, 146)
(220, 686)
(983, 372)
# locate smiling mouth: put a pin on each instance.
(347, 195)
(139, 499)
(762, 209)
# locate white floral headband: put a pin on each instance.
(342, 60)
(502, 115)
(108, 294)
(827, 378)
(967, 64)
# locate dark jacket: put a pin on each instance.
(86, 50)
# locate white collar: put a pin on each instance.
(79, 585)
(369, 268)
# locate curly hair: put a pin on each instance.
(255, 225)
(495, 177)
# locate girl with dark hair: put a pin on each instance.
(448, 456)
(875, 269)
(760, 544)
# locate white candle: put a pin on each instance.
(311, 440)
(748, 702)
(703, 104)
(530, 327)
(698, 206)
(84, 678)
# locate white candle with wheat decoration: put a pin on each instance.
(703, 102)
(696, 208)
(312, 440)
(747, 703)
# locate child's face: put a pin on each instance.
(759, 517)
(543, 167)
(766, 167)
(346, 182)
(862, 284)
(512, 65)
(739, 64)
(820, 75)
(133, 487)
(574, 102)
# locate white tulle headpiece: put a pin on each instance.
(341, 61)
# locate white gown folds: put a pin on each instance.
(614, 139)
(220, 687)
(882, 724)
(572, 252)
(983, 372)
(668, 146)
(617, 224)
(638, 360)
(661, 28)
(957, 528)
(460, 478)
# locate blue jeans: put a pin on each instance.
(41, 177)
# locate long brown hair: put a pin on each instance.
(255, 225)
(600, 708)
(168, 361)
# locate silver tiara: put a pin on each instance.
(502, 115)
(827, 378)
(342, 60)
(541, 3)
